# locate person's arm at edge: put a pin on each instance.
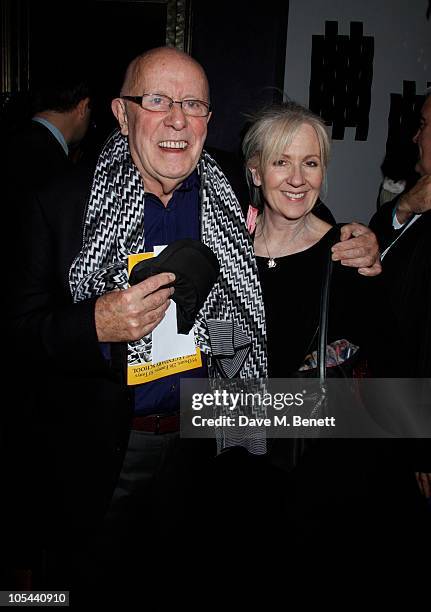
(51, 329)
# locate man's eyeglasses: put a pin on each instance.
(162, 104)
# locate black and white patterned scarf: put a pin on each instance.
(230, 328)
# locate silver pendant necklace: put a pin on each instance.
(271, 261)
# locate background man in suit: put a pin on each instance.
(403, 347)
(403, 230)
(41, 149)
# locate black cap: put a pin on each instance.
(196, 269)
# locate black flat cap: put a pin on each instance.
(196, 269)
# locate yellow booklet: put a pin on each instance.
(164, 340)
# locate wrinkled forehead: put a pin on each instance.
(166, 74)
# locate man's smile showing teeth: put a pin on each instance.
(173, 144)
(294, 196)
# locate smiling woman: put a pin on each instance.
(292, 182)
(286, 152)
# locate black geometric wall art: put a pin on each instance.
(341, 78)
(403, 122)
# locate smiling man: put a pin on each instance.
(75, 313)
(166, 144)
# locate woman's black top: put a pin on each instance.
(291, 293)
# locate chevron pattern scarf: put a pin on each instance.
(230, 328)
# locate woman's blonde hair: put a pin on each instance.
(271, 132)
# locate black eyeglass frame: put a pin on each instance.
(138, 100)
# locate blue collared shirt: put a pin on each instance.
(58, 135)
(164, 224)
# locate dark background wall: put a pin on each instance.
(99, 37)
(240, 44)
(95, 38)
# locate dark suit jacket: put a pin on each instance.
(403, 339)
(34, 157)
(76, 410)
(407, 281)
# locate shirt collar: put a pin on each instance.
(190, 182)
(54, 131)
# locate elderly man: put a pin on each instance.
(153, 184)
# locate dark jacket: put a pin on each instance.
(76, 410)
(34, 157)
(406, 325)
(403, 340)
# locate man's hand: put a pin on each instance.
(415, 201)
(125, 316)
(358, 248)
